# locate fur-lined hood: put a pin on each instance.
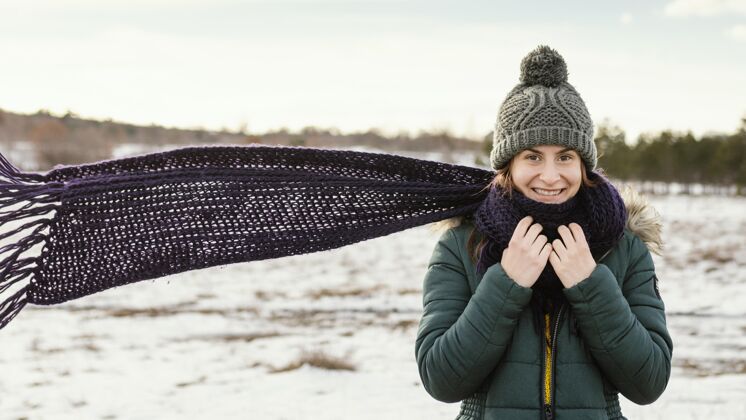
(642, 219)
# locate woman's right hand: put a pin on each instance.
(527, 253)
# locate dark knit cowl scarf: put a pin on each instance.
(599, 210)
(121, 221)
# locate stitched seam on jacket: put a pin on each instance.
(582, 408)
(446, 300)
(606, 348)
(639, 259)
(492, 329)
(485, 338)
(440, 336)
(460, 255)
(523, 363)
(641, 284)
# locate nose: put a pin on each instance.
(549, 174)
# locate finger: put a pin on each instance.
(546, 251)
(538, 246)
(554, 259)
(533, 232)
(578, 234)
(566, 235)
(521, 227)
(559, 248)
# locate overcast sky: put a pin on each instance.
(395, 65)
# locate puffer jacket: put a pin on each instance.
(477, 344)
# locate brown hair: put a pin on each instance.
(504, 180)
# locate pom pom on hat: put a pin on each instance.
(543, 66)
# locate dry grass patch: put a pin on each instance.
(174, 310)
(90, 336)
(37, 347)
(339, 318)
(264, 295)
(719, 254)
(409, 291)
(350, 292)
(197, 381)
(405, 324)
(712, 367)
(229, 338)
(317, 359)
(90, 347)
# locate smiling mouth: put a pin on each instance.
(548, 193)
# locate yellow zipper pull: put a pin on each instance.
(550, 357)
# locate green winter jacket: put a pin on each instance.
(476, 341)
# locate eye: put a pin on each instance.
(533, 156)
(567, 158)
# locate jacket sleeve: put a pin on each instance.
(625, 328)
(461, 336)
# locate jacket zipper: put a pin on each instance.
(548, 380)
(548, 391)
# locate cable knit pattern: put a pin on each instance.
(543, 109)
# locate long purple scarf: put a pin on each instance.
(116, 222)
(599, 210)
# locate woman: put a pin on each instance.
(556, 309)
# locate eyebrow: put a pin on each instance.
(561, 151)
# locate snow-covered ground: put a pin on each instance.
(230, 342)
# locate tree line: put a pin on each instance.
(68, 139)
(717, 160)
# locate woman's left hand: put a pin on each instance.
(571, 258)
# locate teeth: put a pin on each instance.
(547, 192)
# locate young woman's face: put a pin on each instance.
(549, 174)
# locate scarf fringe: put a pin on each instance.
(11, 306)
(39, 198)
(254, 196)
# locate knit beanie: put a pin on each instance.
(542, 109)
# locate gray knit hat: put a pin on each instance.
(542, 109)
